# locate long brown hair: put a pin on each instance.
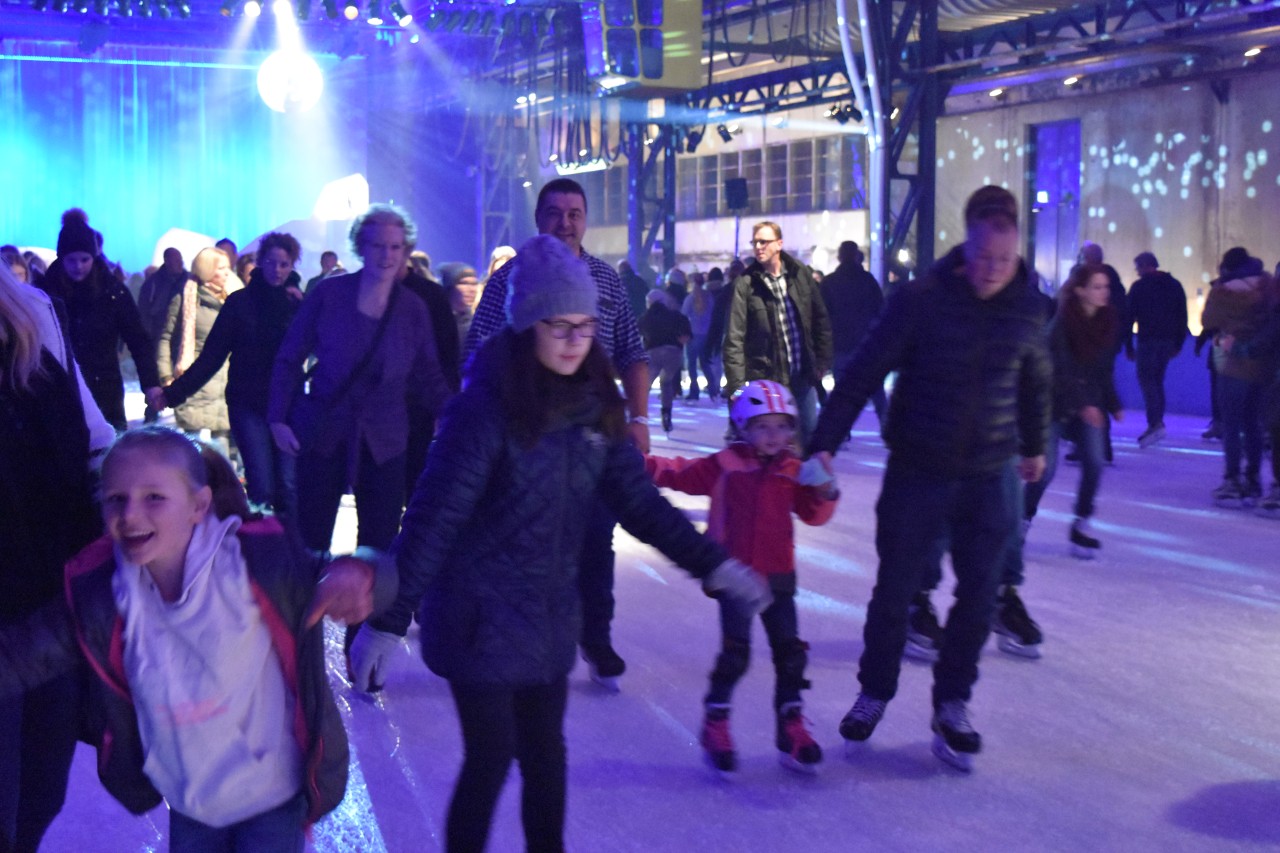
(526, 389)
(1088, 337)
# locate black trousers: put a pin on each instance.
(499, 724)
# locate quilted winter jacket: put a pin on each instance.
(974, 375)
(753, 344)
(283, 575)
(488, 551)
(751, 503)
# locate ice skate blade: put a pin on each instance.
(1229, 503)
(1267, 512)
(609, 683)
(785, 759)
(723, 774)
(1010, 646)
(1082, 553)
(962, 761)
(917, 652)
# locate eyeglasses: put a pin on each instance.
(562, 330)
(755, 244)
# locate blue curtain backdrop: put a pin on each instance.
(147, 139)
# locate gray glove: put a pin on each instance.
(812, 473)
(370, 654)
(740, 582)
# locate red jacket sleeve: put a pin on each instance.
(691, 476)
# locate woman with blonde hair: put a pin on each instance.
(192, 313)
(50, 431)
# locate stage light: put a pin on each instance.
(724, 132)
(375, 13)
(691, 141)
(39, 5)
(402, 16)
(996, 93)
(228, 6)
(100, 6)
(252, 9)
(1071, 81)
(331, 9)
(1252, 52)
(82, 6)
(184, 9)
(303, 9)
(351, 11)
(290, 81)
(527, 184)
(282, 8)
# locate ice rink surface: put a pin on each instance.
(1150, 724)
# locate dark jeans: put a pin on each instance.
(1153, 360)
(595, 577)
(499, 724)
(789, 652)
(916, 510)
(379, 492)
(806, 396)
(37, 743)
(270, 475)
(1241, 404)
(696, 353)
(278, 830)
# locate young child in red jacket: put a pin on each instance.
(755, 485)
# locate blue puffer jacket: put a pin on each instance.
(974, 375)
(489, 548)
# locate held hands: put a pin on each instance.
(155, 398)
(738, 581)
(344, 593)
(1031, 468)
(282, 435)
(371, 652)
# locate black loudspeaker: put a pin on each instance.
(736, 196)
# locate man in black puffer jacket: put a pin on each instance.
(972, 393)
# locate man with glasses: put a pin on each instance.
(778, 326)
(561, 211)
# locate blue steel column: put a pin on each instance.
(668, 201)
(927, 134)
(635, 198)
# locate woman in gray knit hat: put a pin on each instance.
(488, 554)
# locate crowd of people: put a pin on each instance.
(494, 431)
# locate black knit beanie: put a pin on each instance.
(76, 235)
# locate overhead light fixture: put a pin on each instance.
(692, 140)
(892, 115)
(39, 5)
(351, 11)
(331, 9)
(1071, 81)
(725, 133)
(303, 9)
(282, 8)
(582, 152)
(843, 112)
(228, 6)
(375, 13)
(1252, 52)
(527, 184)
(552, 157)
(402, 16)
(612, 81)
(996, 93)
(252, 9)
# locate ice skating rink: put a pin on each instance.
(1150, 723)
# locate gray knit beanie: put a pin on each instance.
(547, 280)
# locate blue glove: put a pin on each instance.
(812, 473)
(741, 583)
(369, 657)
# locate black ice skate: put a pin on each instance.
(1018, 634)
(1250, 492)
(605, 666)
(797, 750)
(924, 634)
(1084, 546)
(955, 742)
(861, 720)
(1229, 495)
(717, 743)
(1269, 507)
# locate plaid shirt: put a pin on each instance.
(617, 331)
(786, 319)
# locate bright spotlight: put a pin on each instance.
(1252, 52)
(252, 9)
(282, 8)
(402, 16)
(351, 11)
(290, 81)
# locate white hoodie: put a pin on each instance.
(213, 708)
